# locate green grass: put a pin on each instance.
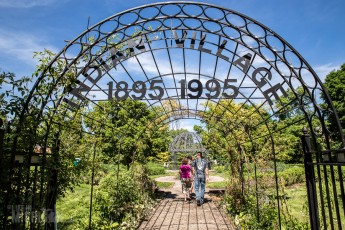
(225, 175)
(155, 168)
(165, 184)
(74, 207)
(217, 185)
(297, 202)
(220, 184)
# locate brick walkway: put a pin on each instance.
(176, 214)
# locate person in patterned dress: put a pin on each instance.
(185, 175)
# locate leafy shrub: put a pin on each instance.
(162, 157)
(123, 199)
(266, 219)
(243, 208)
(100, 171)
(220, 168)
(155, 169)
(289, 175)
(281, 166)
(292, 175)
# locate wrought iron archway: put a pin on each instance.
(168, 48)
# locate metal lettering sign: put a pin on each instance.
(188, 89)
(140, 89)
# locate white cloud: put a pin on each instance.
(323, 70)
(185, 124)
(21, 46)
(25, 3)
(149, 66)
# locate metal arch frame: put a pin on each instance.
(205, 5)
(308, 92)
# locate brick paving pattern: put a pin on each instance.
(177, 214)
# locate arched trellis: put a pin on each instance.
(213, 34)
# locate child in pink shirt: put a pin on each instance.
(186, 182)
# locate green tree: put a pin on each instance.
(226, 135)
(175, 132)
(287, 132)
(13, 94)
(125, 134)
(335, 85)
(29, 135)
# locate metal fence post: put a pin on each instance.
(310, 181)
(50, 223)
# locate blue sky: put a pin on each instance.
(315, 28)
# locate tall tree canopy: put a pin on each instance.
(126, 130)
(226, 135)
(335, 84)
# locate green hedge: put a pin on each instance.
(289, 176)
(292, 175)
(155, 169)
(121, 201)
(220, 168)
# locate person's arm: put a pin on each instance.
(207, 175)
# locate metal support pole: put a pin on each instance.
(92, 179)
(50, 222)
(175, 160)
(241, 170)
(310, 181)
(8, 179)
(256, 194)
